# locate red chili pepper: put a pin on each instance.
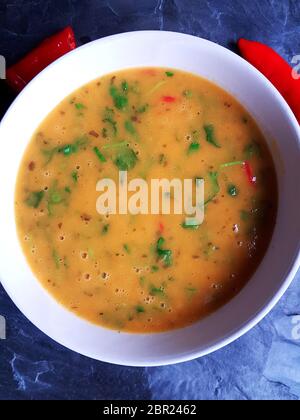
(248, 169)
(168, 99)
(161, 227)
(276, 69)
(18, 75)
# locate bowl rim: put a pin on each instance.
(230, 336)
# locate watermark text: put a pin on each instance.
(2, 328)
(159, 196)
(2, 67)
(296, 69)
(296, 328)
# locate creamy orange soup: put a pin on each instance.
(145, 273)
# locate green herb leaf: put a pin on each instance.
(120, 100)
(79, 106)
(190, 224)
(156, 291)
(100, 156)
(193, 147)
(125, 86)
(68, 190)
(191, 290)
(104, 132)
(34, 199)
(49, 154)
(142, 108)
(139, 309)
(56, 258)
(169, 73)
(126, 248)
(105, 229)
(55, 196)
(67, 149)
(154, 268)
(126, 159)
(142, 280)
(160, 243)
(233, 163)
(114, 145)
(109, 118)
(210, 135)
(162, 160)
(232, 190)
(74, 176)
(165, 255)
(187, 93)
(129, 127)
(213, 178)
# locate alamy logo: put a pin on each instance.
(2, 328)
(2, 67)
(166, 196)
(296, 68)
(296, 328)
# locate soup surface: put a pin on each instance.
(145, 273)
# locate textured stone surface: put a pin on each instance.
(264, 364)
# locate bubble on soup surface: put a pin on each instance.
(84, 255)
(149, 299)
(119, 291)
(217, 286)
(87, 276)
(105, 276)
(138, 269)
(183, 106)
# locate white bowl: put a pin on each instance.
(267, 285)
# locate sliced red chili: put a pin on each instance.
(18, 75)
(248, 169)
(168, 99)
(161, 227)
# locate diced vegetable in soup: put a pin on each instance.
(145, 272)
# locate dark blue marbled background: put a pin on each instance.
(264, 364)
